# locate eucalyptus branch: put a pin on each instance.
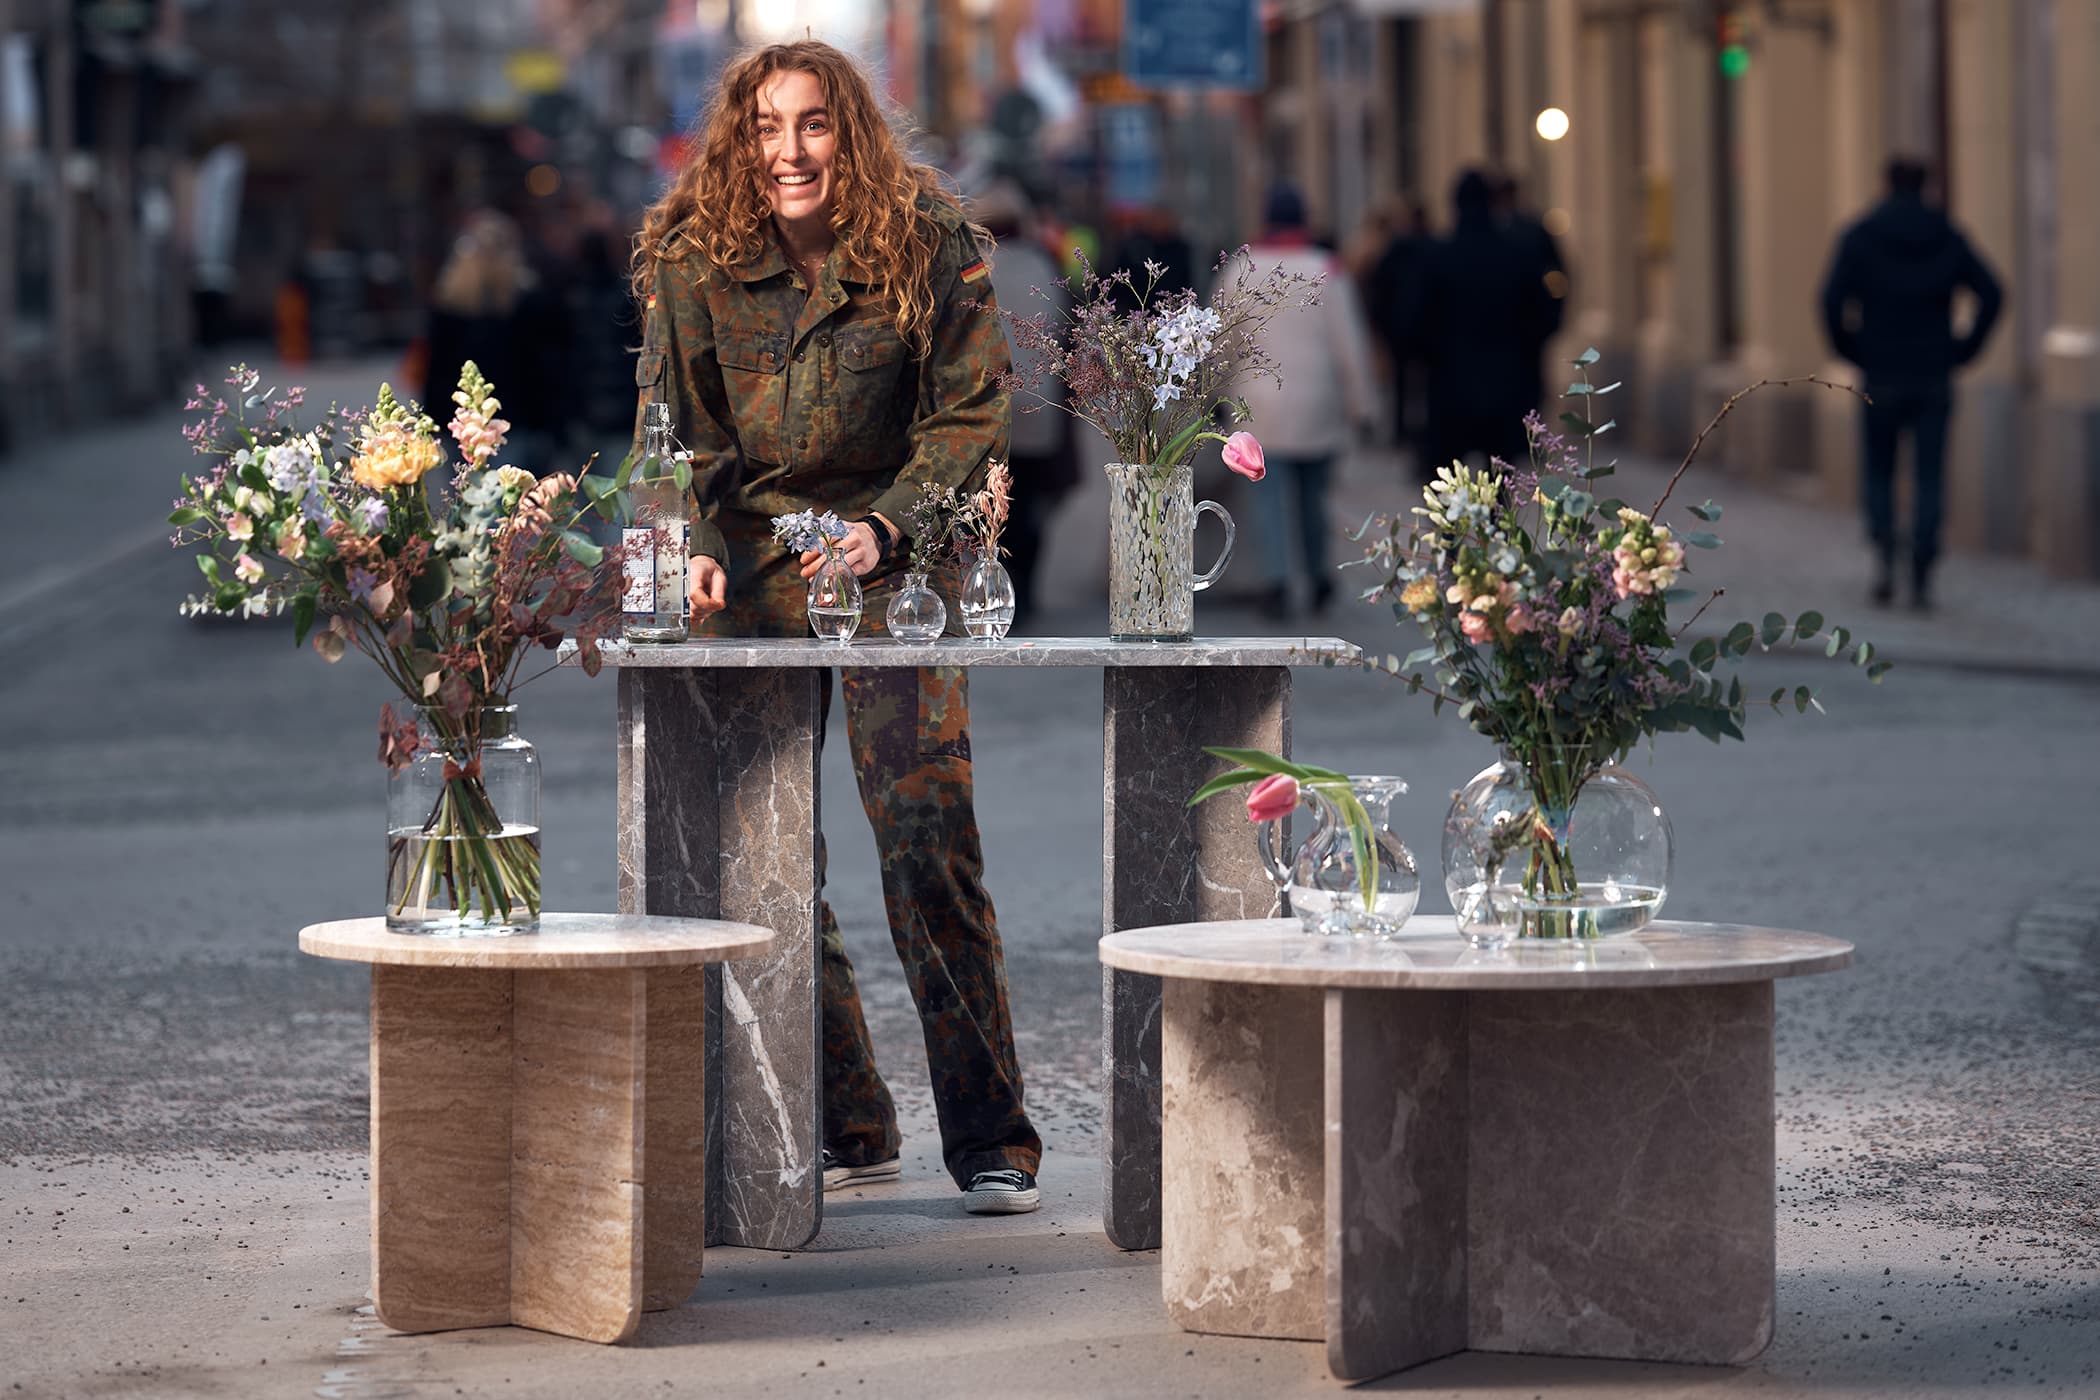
(1733, 399)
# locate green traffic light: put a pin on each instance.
(1735, 61)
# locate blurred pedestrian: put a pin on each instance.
(1387, 289)
(1542, 254)
(1888, 307)
(1027, 280)
(1476, 316)
(489, 307)
(821, 322)
(1323, 404)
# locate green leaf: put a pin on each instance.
(1577, 390)
(1703, 653)
(186, 515)
(1773, 629)
(1735, 693)
(303, 608)
(1224, 782)
(1616, 383)
(1602, 428)
(682, 474)
(578, 546)
(1703, 539)
(252, 477)
(432, 585)
(1739, 638)
(1588, 357)
(228, 597)
(646, 465)
(1778, 697)
(1879, 669)
(1575, 423)
(1865, 656)
(1802, 696)
(1576, 503)
(208, 565)
(1598, 473)
(1807, 625)
(1708, 512)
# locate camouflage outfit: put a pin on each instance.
(794, 399)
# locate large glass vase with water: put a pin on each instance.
(1555, 845)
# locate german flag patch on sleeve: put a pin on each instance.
(976, 271)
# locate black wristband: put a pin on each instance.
(884, 545)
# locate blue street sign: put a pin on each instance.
(1192, 43)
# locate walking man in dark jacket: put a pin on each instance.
(1888, 307)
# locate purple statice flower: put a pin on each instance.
(315, 506)
(362, 582)
(371, 515)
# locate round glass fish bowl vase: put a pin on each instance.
(1555, 848)
(463, 828)
(916, 613)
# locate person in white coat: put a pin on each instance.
(1322, 407)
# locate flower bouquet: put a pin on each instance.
(1547, 614)
(447, 597)
(1154, 380)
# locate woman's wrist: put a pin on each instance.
(885, 540)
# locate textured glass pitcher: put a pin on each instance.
(1325, 882)
(1152, 578)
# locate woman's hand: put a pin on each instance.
(706, 586)
(859, 550)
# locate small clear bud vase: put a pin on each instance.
(1555, 846)
(835, 601)
(463, 827)
(916, 613)
(987, 599)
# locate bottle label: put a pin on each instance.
(652, 560)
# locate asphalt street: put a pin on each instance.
(183, 1095)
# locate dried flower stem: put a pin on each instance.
(1733, 399)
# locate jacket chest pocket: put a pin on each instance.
(754, 377)
(871, 361)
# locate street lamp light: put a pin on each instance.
(1552, 124)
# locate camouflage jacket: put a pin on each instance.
(791, 400)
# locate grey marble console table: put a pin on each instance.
(1412, 1148)
(718, 819)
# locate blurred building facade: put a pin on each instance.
(1713, 153)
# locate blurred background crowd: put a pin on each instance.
(1495, 184)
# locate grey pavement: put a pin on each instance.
(182, 1095)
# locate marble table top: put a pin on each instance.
(1429, 954)
(747, 652)
(563, 941)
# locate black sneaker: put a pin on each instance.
(1007, 1191)
(839, 1175)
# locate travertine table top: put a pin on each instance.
(563, 941)
(1429, 954)
(719, 653)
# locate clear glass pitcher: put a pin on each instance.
(1325, 882)
(1152, 578)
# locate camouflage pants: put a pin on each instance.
(909, 735)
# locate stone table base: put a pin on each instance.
(1431, 1158)
(538, 1133)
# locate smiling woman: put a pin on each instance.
(820, 324)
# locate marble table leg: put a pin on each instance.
(1167, 864)
(1622, 1178)
(717, 814)
(507, 1167)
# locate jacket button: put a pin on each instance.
(800, 356)
(823, 342)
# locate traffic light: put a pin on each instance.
(1729, 36)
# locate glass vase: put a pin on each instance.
(1555, 846)
(916, 613)
(1152, 578)
(834, 601)
(987, 600)
(463, 827)
(1325, 882)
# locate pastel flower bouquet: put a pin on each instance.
(1151, 369)
(1547, 616)
(448, 597)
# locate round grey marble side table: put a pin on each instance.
(1413, 1148)
(538, 1128)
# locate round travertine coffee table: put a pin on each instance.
(1414, 1148)
(538, 1126)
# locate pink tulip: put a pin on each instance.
(1273, 798)
(1243, 455)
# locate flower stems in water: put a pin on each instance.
(463, 855)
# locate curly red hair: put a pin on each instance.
(883, 238)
